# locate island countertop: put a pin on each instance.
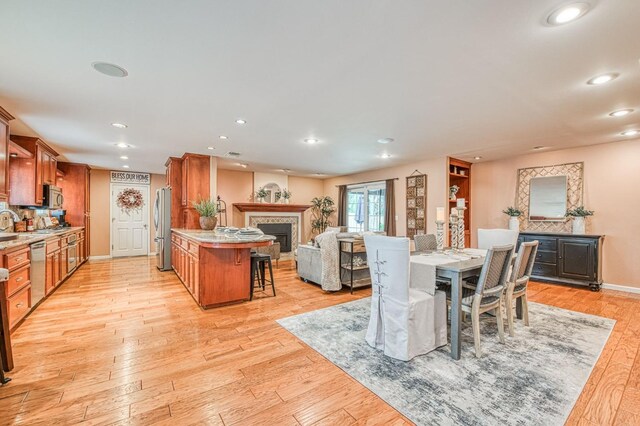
(215, 269)
(213, 240)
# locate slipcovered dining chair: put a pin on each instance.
(488, 295)
(517, 285)
(405, 322)
(425, 242)
(488, 238)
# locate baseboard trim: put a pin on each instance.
(107, 256)
(621, 288)
(153, 253)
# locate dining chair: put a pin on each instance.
(517, 284)
(488, 295)
(488, 238)
(425, 242)
(405, 322)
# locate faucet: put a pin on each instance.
(14, 215)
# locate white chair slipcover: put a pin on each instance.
(488, 238)
(405, 322)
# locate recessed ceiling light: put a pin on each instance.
(224, 138)
(318, 174)
(602, 79)
(477, 157)
(385, 140)
(241, 121)
(119, 125)
(109, 69)
(243, 165)
(124, 157)
(385, 155)
(630, 132)
(13, 155)
(311, 141)
(122, 145)
(286, 170)
(539, 147)
(621, 112)
(568, 13)
(125, 167)
(210, 147)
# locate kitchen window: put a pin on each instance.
(366, 207)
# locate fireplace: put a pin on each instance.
(282, 232)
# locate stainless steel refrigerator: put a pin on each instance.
(162, 222)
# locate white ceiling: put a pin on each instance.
(447, 77)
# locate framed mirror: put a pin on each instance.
(548, 198)
(272, 188)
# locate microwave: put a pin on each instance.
(52, 197)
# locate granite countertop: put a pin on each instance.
(211, 237)
(26, 238)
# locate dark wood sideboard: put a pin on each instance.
(567, 258)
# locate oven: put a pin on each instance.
(52, 197)
(72, 252)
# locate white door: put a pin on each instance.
(129, 227)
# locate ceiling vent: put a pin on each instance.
(232, 154)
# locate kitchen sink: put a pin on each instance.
(8, 238)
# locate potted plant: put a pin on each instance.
(261, 194)
(579, 214)
(321, 210)
(286, 195)
(207, 208)
(514, 213)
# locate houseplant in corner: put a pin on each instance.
(321, 210)
(514, 213)
(579, 214)
(207, 208)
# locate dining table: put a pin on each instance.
(455, 272)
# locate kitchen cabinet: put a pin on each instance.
(75, 186)
(18, 287)
(27, 176)
(52, 271)
(196, 170)
(567, 258)
(174, 181)
(186, 264)
(5, 118)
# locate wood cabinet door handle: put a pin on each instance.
(18, 279)
(19, 305)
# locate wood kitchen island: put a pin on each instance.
(215, 269)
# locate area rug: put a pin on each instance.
(535, 378)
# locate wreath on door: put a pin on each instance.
(130, 199)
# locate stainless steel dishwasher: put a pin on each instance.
(38, 258)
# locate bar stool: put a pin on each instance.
(259, 263)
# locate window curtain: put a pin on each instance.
(390, 209)
(342, 205)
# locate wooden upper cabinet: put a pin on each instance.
(5, 117)
(196, 171)
(75, 186)
(174, 181)
(28, 175)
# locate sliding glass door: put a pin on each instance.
(366, 207)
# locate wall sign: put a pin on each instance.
(130, 177)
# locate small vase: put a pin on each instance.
(514, 223)
(286, 201)
(208, 223)
(578, 225)
(261, 200)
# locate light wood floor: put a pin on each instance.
(123, 343)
